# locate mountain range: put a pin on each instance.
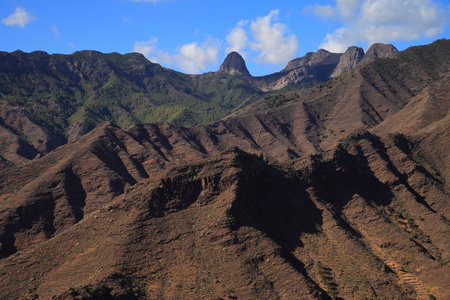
(336, 191)
(48, 100)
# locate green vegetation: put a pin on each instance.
(90, 87)
(276, 100)
(434, 59)
(30, 294)
(327, 279)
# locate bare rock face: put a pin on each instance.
(349, 60)
(313, 66)
(379, 50)
(314, 59)
(234, 64)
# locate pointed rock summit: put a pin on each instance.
(348, 60)
(234, 64)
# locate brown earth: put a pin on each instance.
(350, 223)
(338, 192)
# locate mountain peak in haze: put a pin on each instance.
(234, 64)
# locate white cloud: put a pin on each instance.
(347, 8)
(372, 21)
(340, 40)
(146, 47)
(191, 57)
(151, 51)
(272, 42)
(322, 11)
(20, 17)
(238, 40)
(55, 30)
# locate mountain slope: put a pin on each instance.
(233, 226)
(88, 87)
(48, 100)
(378, 199)
(346, 195)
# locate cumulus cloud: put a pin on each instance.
(146, 47)
(272, 42)
(191, 58)
(151, 51)
(238, 40)
(385, 21)
(20, 17)
(340, 40)
(344, 9)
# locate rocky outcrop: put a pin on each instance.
(349, 60)
(309, 69)
(234, 64)
(379, 50)
(313, 59)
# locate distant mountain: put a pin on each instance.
(48, 100)
(234, 64)
(64, 96)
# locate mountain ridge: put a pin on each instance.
(180, 192)
(79, 91)
(336, 191)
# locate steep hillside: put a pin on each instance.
(360, 98)
(340, 191)
(354, 223)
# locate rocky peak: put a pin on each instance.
(379, 50)
(313, 59)
(324, 57)
(234, 64)
(299, 62)
(348, 60)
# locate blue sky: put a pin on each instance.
(194, 36)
